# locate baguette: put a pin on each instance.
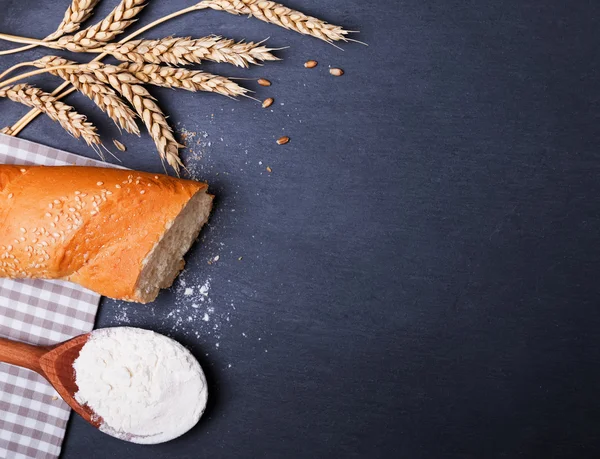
(120, 233)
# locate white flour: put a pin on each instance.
(147, 388)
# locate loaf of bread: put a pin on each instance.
(120, 233)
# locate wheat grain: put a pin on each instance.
(278, 14)
(103, 96)
(154, 119)
(182, 51)
(78, 12)
(190, 80)
(119, 145)
(64, 114)
(112, 25)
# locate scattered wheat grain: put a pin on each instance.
(119, 145)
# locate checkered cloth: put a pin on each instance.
(32, 419)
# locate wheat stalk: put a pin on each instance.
(103, 96)
(190, 80)
(154, 119)
(106, 30)
(278, 14)
(182, 51)
(64, 114)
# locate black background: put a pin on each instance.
(419, 273)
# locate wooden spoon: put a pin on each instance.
(55, 363)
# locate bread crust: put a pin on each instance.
(92, 226)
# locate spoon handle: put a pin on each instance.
(22, 354)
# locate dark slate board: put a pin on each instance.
(419, 273)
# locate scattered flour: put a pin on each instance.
(193, 300)
(198, 310)
(204, 288)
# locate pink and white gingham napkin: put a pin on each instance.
(32, 419)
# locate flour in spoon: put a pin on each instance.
(147, 388)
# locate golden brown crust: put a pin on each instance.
(92, 226)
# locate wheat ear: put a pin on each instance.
(106, 30)
(278, 14)
(64, 114)
(102, 95)
(131, 89)
(182, 51)
(190, 80)
(266, 11)
(78, 12)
